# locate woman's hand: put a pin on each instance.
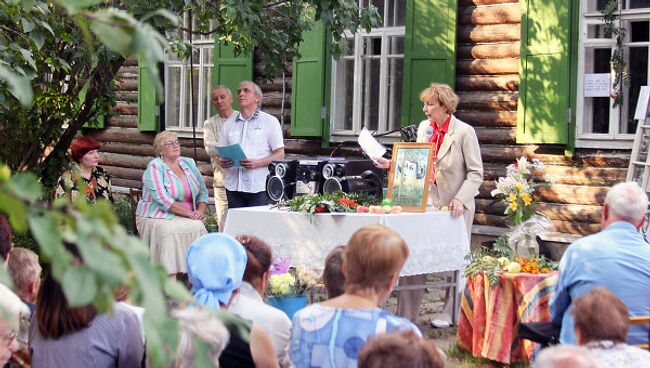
(456, 208)
(381, 162)
(199, 214)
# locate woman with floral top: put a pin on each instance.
(174, 198)
(85, 177)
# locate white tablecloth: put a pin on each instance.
(437, 242)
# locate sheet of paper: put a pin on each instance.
(369, 144)
(642, 104)
(234, 153)
(597, 85)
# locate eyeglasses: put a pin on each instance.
(171, 143)
(7, 339)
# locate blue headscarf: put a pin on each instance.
(215, 266)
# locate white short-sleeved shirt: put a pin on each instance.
(258, 136)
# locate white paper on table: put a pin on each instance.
(642, 104)
(370, 145)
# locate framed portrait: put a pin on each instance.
(408, 179)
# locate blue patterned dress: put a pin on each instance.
(332, 337)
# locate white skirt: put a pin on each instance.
(169, 239)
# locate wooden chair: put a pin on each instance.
(641, 320)
(135, 195)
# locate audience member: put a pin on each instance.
(203, 324)
(395, 349)
(12, 316)
(215, 265)
(565, 356)
(222, 100)
(249, 304)
(617, 258)
(335, 330)
(64, 336)
(601, 326)
(260, 136)
(333, 277)
(25, 272)
(174, 198)
(85, 170)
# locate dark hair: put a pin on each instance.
(6, 237)
(397, 349)
(600, 315)
(333, 277)
(259, 257)
(81, 146)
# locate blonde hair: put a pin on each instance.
(160, 139)
(372, 256)
(441, 93)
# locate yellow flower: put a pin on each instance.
(513, 206)
(526, 197)
(512, 197)
(520, 186)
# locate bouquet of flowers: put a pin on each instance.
(338, 201)
(516, 191)
(286, 280)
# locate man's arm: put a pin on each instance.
(210, 138)
(561, 299)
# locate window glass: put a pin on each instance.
(638, 4)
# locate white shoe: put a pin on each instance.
(440, 323)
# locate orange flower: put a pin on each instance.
(348, 202)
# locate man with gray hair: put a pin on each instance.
(222, 100)
(260, 136)
(565, 356)
(617, 258)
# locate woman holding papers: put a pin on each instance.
(174, 197)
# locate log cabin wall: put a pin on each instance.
(487, 82)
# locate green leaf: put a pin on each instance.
(38, 39)
(96, 257)
(79, 286)
(28, 25)
(75, 6)
(19, 86)
(25, 186)
(15, 210)
(177, 291)
(49, 239)
(115, 29)
(173, 18)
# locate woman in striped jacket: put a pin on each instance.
(174, 198)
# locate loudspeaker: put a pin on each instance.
(353, 176)
(309, 178)
(281, 182)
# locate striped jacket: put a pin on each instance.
(161, 188)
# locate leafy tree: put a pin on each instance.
(58, 59)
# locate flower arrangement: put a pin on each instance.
(338, 201)
(516, 191)
(492, 267)
(286, 280)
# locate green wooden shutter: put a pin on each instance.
(148, 110)
(230, 70)
(429, 51)
(309, 85)
(544, 73)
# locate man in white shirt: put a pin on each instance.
(260, 136)
(222, 100)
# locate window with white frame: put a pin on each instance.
(367, 79)
(599, 123)
(179, 113)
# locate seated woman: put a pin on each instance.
(334, 331)
(601, 324)
(249, 304)
(64, 336)
(97, 182)
(174, 198)
(215, 267)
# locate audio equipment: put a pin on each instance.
(281, 182)
(353, 176)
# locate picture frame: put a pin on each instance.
(409, 175)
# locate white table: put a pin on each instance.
(437, 242)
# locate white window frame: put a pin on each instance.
(610, 140)
(385, 33)
(204, 45)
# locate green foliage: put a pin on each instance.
(338, 201)
(614, 28)
(483, 262)
(210, 221)
(123, 212)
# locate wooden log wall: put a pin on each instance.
(487, 82)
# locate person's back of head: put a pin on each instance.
(399, 349)
(625, 202)
(565, 356)
(203, 324)
(372, 256)
(600, 315)
(25, 272)
(333, 277)
(259, 260)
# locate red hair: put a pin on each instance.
(81, 146)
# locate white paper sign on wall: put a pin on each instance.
(597, 85)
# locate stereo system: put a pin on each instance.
(289, 178)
